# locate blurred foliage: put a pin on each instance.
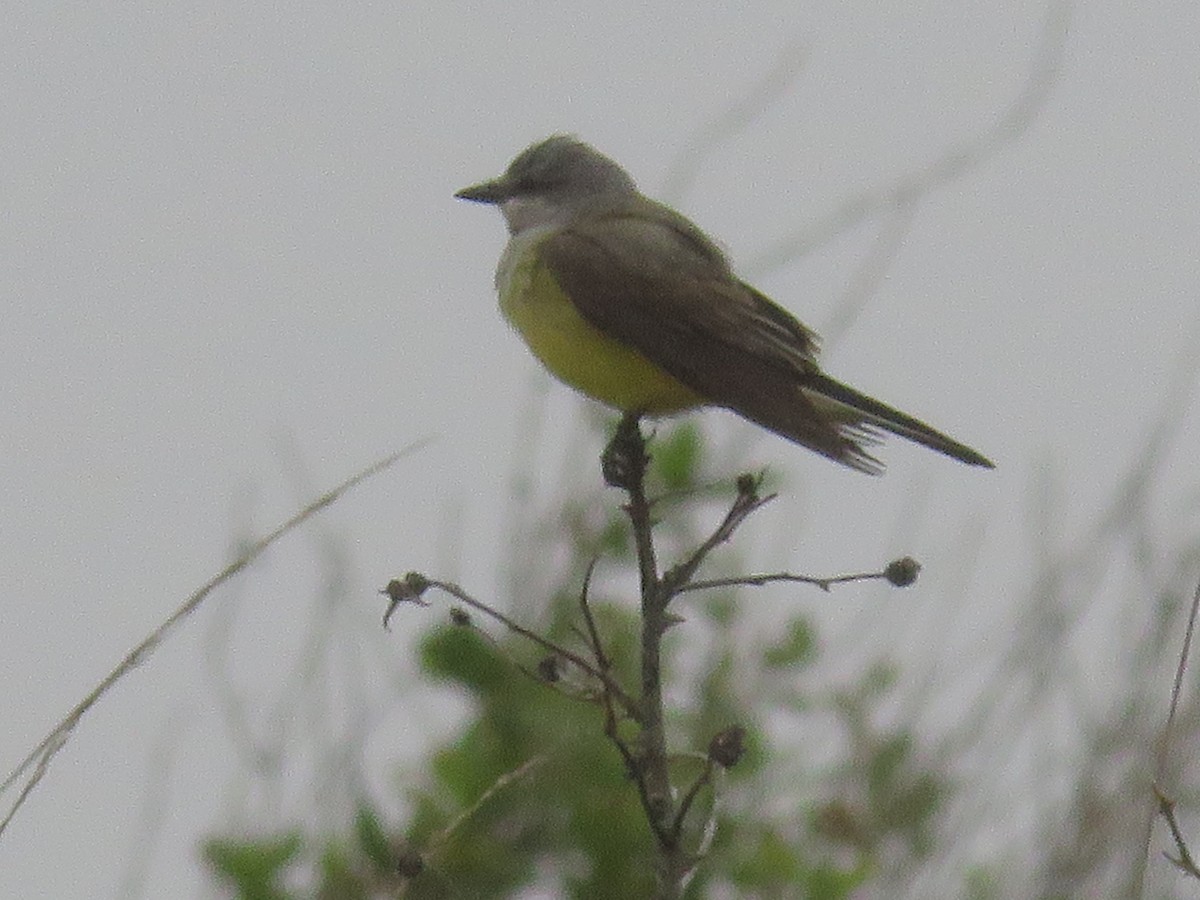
(532, 794)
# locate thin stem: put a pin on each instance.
(824, 584)
(632, 446)
(413, 585)
(689, 798)
(747, 502)
(37, 762)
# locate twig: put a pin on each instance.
(689, 798)
(746, 503)
(1184, 862)
(439, 840)
(626, 459)
(1177, 688)
(39, 757)
(824, 584)
(1166, 806)
(732, 120)
(546, 671)
(593, 633)
(603, 663)
(951, 164)
(624, 465)
(632, 766)
(412, 861)
(412, 586)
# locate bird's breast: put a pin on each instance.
(570, 347)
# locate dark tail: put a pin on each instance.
(844, 404)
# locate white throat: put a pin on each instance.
(525, 212)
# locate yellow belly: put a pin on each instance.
(574, 350)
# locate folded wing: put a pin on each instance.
(650, 279)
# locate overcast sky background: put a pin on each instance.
(229, 254)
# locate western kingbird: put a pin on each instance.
(629, 302)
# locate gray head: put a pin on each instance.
(550, 181)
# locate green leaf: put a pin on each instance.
(767, 860)
(797, 647)
(614, 538)
(254, 867)
(829, 883)
(461, 655)
(878, 679)
(885, 765)
(677, 456)
(338, 876)
(372, 839)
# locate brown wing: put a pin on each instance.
(649, 278)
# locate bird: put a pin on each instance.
(631, 303)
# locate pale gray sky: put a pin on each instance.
(228, 229)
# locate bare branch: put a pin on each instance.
(901, 198)
(1010, 125)
(685, 805)
(1165, 806)
(439, 840)
(412, 586)
(732, 120)
(39, 757)
(1177, 688)
(602, 660)
(1183, 862)
(824, 584)
(747, 502)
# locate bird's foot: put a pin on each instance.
(624, 460)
